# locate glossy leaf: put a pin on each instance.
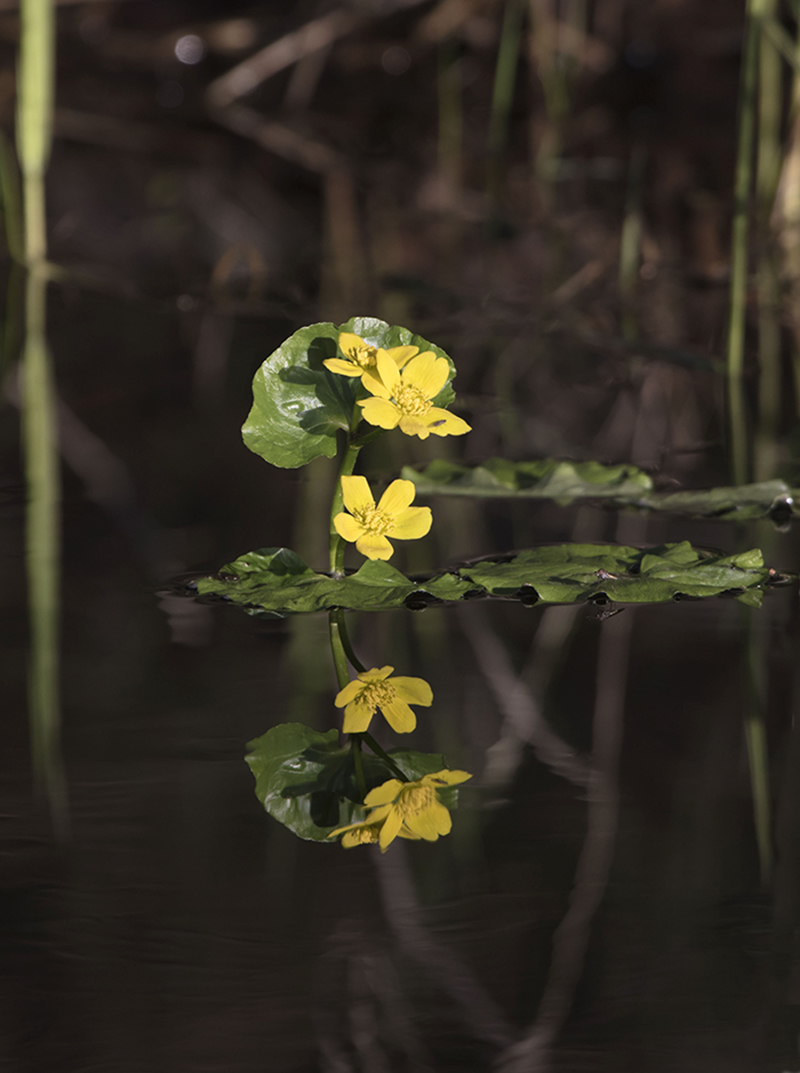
(626, 485)
(299, 406)
(305, 779)
(276, 580)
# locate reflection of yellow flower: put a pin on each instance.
(369, 526)
(374, 689)
(404, 397)
(360, 357)
(363, 834)
(414, 805)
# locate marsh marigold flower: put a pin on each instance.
(360, 357)
(373, 690)
(369, 526)
(399, 807)
(365, 834)
(405, 396)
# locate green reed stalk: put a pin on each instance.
(756, 738)
(503, 95)
(743, 181)
(631, 242)
(769, 296)
(451, 114)
(39, 417)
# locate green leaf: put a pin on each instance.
(624, 485)
(299, 406)
(306, 780)
(276, 580)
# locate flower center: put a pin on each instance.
(376, 694)
(363, 355)
(415, 800)
(376, 521)
(411, 400)
(365, 835)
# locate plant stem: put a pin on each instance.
(368, 738)
(344, 637)
(336, 628)
(739, 241)
(335, 542)
(355, 750)
(503, 94)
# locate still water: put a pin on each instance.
(600, 905)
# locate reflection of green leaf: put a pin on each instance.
(298, 405)
(278, 581)
(306, 780)
(565, 482)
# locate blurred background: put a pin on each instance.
(545, 188)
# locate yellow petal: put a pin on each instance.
(390, 829)
(373, 546)
(355, 837)
(406, 833)
(413, 690)
(428, 373)
(348, 693)
(373, 383)
(399, 716)
(450, 778)
(343, 368)
(431, 823)
(397, 497)
(414, 426)
(413, 523)
(348, 527)
(443, 423)
(357, 717)
(383, 794)
(376, 674)
(401, 355)
(380, 412)
(356, 494)
(350, 344)
(387, 370)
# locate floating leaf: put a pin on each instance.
(299, 406)
(306, 780)
(623, 485)
(276, 580)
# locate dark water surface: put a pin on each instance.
(178, 927)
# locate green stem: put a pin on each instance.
(336, 627)
(344, 638)
(368, 738)
(739, 241)
(335, 542)
(355, 750)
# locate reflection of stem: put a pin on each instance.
(572, 935)
(336, 627)
(355, 750)
(335, 542)
(344, 636)
(368, 738)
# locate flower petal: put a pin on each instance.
(376, 674)
(348, 693)
(401, 355)
(373, 546)
(442, 423)
(412, 524)
(357, 716)
(350, 344)
(390, 829)
(399, 716)
(356, 836)
(428, 373)
(383, 794)
(431, 823)
(348, 527)
(373, 383)
(356, 494)
(449, 778)
(343, 368)
(413, 690)
(397, 497)
(414, 426)
(387, 370)
(380, 412)
(405, 832)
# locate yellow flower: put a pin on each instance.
(415, 806)
(374, 689)
(364, 834)
(369, 526)
(361, 357)
(404, 397)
